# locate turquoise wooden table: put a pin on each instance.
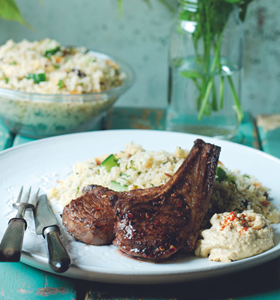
(20, 281)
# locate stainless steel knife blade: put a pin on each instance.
(44, 216)
(47, 225)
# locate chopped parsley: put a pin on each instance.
(6, 78)
(60, 84)
(220, 174)
(123, 174)
(51, 52)
(37, 78)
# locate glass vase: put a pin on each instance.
(205, 69)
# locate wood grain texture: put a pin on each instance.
(269, 133)
(19, 281)
(6, 139)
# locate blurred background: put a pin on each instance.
(140, 37)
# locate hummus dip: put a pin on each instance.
(235, 236)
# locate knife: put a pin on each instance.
(47, 226)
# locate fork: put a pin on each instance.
(11, 244)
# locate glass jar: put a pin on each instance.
(205, 69)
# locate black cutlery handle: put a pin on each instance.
(10, 247)
(59, 259)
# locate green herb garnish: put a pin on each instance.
(123, 174)
(51, 52)
(220, 174)
(6, 78)
(110, 162)
(37, 78)
(60, 84)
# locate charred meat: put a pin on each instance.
(90, 218)
(152, 223)
(156, 223)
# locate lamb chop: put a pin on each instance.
(152, 223)
(90, 218)
(156, 223)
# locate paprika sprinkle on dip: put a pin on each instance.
(234, 236)
(243, 220)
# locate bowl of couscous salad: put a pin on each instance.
(47, 89)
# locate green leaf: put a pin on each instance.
(120, 8)
(190, 74)
(10, 11)
(233, 1)
(37, 78)
(6, 78)
(220, 174)
(60, 84)
(51, 52)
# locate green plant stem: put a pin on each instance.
(237, 107)
(210, 81)
(214, 98)
(205, 98)
(222, 88)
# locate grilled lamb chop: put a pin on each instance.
(155, 223)
(90, 218)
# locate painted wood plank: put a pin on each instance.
(247, 132)
(20, 281)
(18, 140)
(136, 118)
(146, 118)
(269, 133)
(261, 280)
(6, 139)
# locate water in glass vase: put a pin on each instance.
(186, 94)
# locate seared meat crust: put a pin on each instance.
(90, 218)
(152, 223)
(155, 223)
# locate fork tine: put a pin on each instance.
(28, 195)
(20, 194)
(36, 198)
